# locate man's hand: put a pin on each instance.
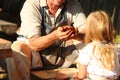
(66, 32)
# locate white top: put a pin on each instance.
(94, 67)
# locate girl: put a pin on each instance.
(99, 60)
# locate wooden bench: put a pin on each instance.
(61, 73)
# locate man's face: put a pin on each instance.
(57, 2)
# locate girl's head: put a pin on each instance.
(99, 27)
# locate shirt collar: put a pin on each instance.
(43, 3)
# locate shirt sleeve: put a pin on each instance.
(30, 19)
(79, 17)
(76, 14)
(85, 55)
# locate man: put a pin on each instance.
(46, 33)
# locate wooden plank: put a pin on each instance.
(61, 73)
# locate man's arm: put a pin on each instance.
(41, 42)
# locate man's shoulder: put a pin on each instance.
(33, 2)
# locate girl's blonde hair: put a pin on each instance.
(100, 28)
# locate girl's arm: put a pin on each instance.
(82, 72)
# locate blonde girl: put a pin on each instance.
(99, 60)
